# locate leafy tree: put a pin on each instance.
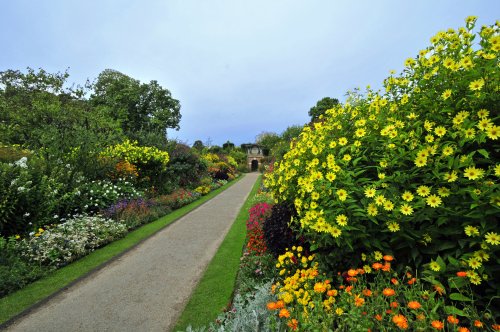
(228, 146)
(144, 110)
(321, 107)
(198, 145)
(268, 140)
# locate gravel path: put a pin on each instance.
(147, 288)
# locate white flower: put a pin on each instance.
(21, 189)
(56, 216)
(27, 214)
(22, 162)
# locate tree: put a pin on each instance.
(321, 107)
(267, 140)
(198, 145)
(144, 111)
(228, 146)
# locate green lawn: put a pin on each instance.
(39, 290)
(215, 289)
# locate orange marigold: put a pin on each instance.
(496, 327)
(352, 273)
(271, 306)
(293, 324)
(437, 324)
(452, 320)
(461, 274)
(378, 317)
(377, 266)
(463, 329)
(388, 258)
(280, 304)
(388, 292)
(367, 292)
(400, 321)
(412, 281)
(394, 304)
(478, 323)
(439, 289)
(414, 305)
(395, 281)
(359, 301)
(284, 313)
(386, 267)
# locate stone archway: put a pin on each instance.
(255, 165)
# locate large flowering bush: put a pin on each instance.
(413, 169)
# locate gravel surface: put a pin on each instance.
(147, 288)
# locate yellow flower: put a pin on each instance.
(443, 192)
(476, 85)
(493, 132)
(388, 205)
(433, 201)
(474, 263)
(347, 157)
(471, 231)
(335, 232)
(434, 266)
(406, 210)
(484, 124)
(342, 194)
(497, 170)
(342, 141)
(370, 192)
(423, 191)
(393, 226)
(331, 176)
(379, 200)
(482, 113)
(446, 94)
(407, 196)
(360, 132)
(440, 131)
(339, 311)
(451, 177)
(372, 210)
(421, 161)
(341, 220)
(492, 238)
(473, 173)
(447, 151)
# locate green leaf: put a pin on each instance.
(457, 282)
(451, 310)
(460, 297)
(484, 153)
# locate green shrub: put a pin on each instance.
(413, 169)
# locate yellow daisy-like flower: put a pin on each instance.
(423, 191)
(335, 232)
(407, 196)
(381, 176)
(497, 170)
(475, 279)
(315, 195)
(360, 132)
(421, 161)
(372, 210)
(342, 141)
(471, 231)
(492, 238)
(447, 151)
(482, 113)
(341, 220)
(393, 226)
(476, 85)
(446, 94)
(451, 177)
(347, 157)
(473, 173)
(377, 255)
(443, 192)
(474, 263)
(370, 192)
(484, 124)
(493, 132)
(342, 194)
(388, 205)
(433, 201)
(331, 176)
(406, 210)
(379, 200)
(435, 266)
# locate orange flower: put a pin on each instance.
(386, 267)
(377, 266)
(348, 289)
(394, 304)
(271, 306)
(463, 329)
(352, 273)
(412, 281)
(280, 304)
(452, 320)
(388, 311)
(420, 316)
(388, 292)
(332, 292)
(378, 317)
(367, 292)
(400, 321)
(359, 301)
(439, 289)
(352, 279)
(414, 305)
(388, 258)
(461, 274)
(437, 324)
(319, 287)
(395, 281)
(360, 271)
(478, 323)
(496, 327)
(284, 313)
(293, 324)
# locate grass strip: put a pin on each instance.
(17, 302)
(214, 291)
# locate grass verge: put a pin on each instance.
(17, 302)
(215, 288)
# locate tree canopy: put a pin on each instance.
(321, 107)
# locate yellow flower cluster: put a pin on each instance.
(131, 152)
(417, 155)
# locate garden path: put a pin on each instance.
(147, 288)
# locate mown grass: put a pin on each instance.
(215, 289)
(17, 302)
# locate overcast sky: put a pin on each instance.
(237, 67)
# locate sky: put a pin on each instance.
(238, 68)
